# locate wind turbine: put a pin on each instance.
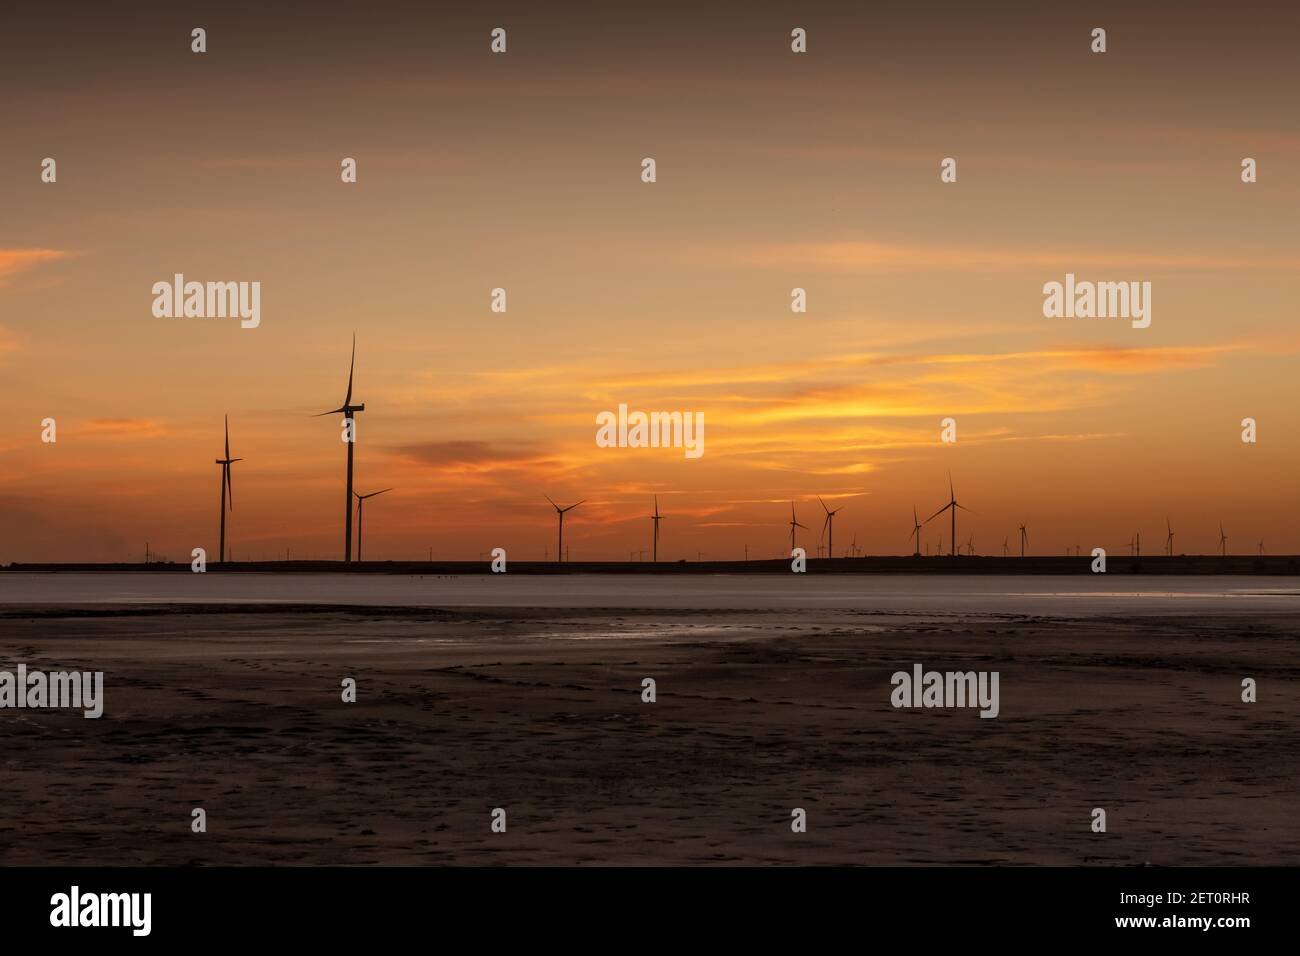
(952, 503)
(361, 501)
(1223, 541)
(853, 546)
(348, 410)
(829, 526)
(559, 552)
(1137, 539)
(1005, 548)
(1024, 539)
(916, 533)
(1261, 547)
(794, 523)
(1169, 539)
(970, 545)
(656, 517)
(227, 490)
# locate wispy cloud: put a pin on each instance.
(14, 262)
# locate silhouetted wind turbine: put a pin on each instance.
(361, 501)
(1261, 547)
(828, 527)
(952, 503)
(1169, 539)
(656, 518)
(794, 523)
(1005, 547)
(348, 410)
(559, 553)
(970, 545)
(1024, 539)
(227, 490)
(916, 533)
(1223, 541)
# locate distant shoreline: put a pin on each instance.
(1271, 565)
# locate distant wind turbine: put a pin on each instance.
(559, 551)
(970, 545)
(1169, 539)
(1223, 541)
(1024, 539)
(1005, 548)
(916, 533)
(794, 523)
(952, 504)
(348, 410)
(227, 490)
(656, 518)
(828, 527)
(361, 501)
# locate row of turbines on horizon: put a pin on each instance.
(349, 410)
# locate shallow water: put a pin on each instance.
(1081, 596)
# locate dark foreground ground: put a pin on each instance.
(238, 711)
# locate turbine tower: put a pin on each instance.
(794, 523)
(348, 410)
(559, 551)
(916, 533)
(361, 501)
(1169, 539)
(656, 518)
(227, 490)
(1223, 541)
(952, 504)
(828, 527)
(1024, 539)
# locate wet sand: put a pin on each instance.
(237, 710)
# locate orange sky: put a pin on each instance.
(522, 171)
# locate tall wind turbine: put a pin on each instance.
(1223, 541)
(794, 523)
(1024, 539)
(656, 518)
(361, 501)
(227, 490)
(559, 552)
(828, 527)
(1005, 547)
(970, 545)
(952, 504)
(348, 410)
(1169, 539)
(916, 533)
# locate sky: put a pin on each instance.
(522, 171)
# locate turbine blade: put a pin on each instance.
(228, 446)
(553, 504)
(939, 512)
(823, 504)
(352, 364)
(230, 487)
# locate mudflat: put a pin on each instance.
(238, 709)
